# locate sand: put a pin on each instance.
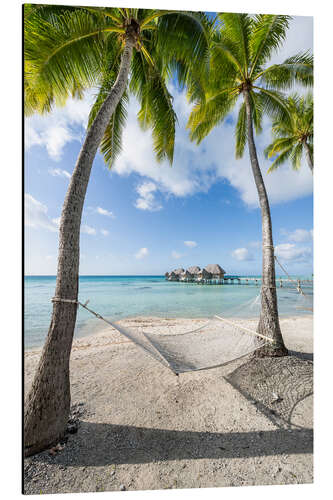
(141, 427)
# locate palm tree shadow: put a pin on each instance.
(106, 444)
(302, 355)
(277, 386)
(258, 380)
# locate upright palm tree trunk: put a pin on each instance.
(308, 156)
(48, 402)
(269, 319)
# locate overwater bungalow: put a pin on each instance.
(186, 276)
(172, 277)
(178, 272)
(212, 273)
(216, 271)
(194, 270)
(204, 276)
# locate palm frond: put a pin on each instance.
(236, 33)
(241, 131)
(205, 116)
(279, 145)
(156, 110)
(64, 54)
(187, 37)
(257, 111)
(273, 103)
(111, 143)
(296, 156)
(268, 33)
(296, 69)
(281, 158)
(310, 145)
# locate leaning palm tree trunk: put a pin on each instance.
(308, 156)
(269, 319)
(48, 402)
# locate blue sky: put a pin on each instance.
(147, 218)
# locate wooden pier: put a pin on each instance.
(244, 280)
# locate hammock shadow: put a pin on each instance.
(278, 387)
(106, 444)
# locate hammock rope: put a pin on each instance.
(217, 342)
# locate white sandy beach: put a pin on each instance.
(141, 427)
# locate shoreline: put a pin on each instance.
(105, 330)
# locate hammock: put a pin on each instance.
(216, 343)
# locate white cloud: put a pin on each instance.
(36, 214)
(36, 217)
(291, 252)
(105, 232)
(143, 252)
(58, 172)
(242, 254)
(87, 229)
(298, 235)
(176, 255)
(197, 168)
(56, 138)
(63, 125)
(103, 211)
(190, 244)
(146, 200)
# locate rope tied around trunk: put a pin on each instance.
(59, 299)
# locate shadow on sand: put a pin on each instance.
(105, 444)
(275, 386)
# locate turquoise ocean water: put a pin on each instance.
(117, 297)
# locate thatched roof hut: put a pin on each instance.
(179, 271)
(215, 270)
(186, 276)
(172, 276)
(205, 275)
(194, 270)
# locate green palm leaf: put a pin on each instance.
(204, 117)
(296, 156)
(282, 158)
(64, 54)
(236, 32)
(268, 33)
(273, 103)
(296, 69)
(295, 134)
(241, 131)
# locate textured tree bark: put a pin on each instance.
(308, 156)
(269, 319)
(47, 405)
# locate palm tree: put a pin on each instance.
(293, 136)
(68, 49)
(240, 50)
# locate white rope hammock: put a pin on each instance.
(217, 342)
